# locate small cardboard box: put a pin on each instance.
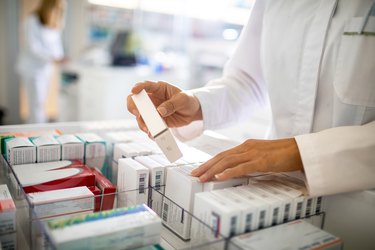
(47, 148)
(7, 211)
(293, 235)
(62, 202)
(107, 190)
(47, 176)
(71, 147)
(95, 150)
(20, 150)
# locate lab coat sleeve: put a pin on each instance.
(339, 160)
(35, 45)
(241, 90)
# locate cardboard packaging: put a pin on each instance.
(179, 181)
(277, 203)
(47, 148)
(216, 185)
(47, 176)
(7, 211)
(122, 228)
(8, 241)
(94, 150)
(219, 214)
(155, 124)
(264, 209)
(107, 190)
(20, 150)
(248, 210)
(62, 202)
(97, 195)
(293, 235)
(156, 182)
(71, 147)
(288, 202)
(132, 183)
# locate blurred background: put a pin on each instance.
(113, 44)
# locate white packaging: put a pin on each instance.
(289, 203)
(132, 183)
(7, 211)
(95, 150)
(274, 204)
(249, 211)
(114, 172)
(220, 214)
(122, 228)
(62, 202)
(309, 205)
(156, 126)
(193, 155)
(277, 202)
(20, 150)
(156, 178)
(215, 185)
(263, 208)
(47, 148)
(180, 188)
(293, 235)
(130, 150)
(296, 195)
(71, 147)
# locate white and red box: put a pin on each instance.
(7, 211)
(62, 202)
(107, 190)
(47, 176)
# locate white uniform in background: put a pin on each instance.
(43, 45)
(309, 58)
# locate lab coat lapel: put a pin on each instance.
(310, 67)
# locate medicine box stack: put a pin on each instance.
(122, 228)
(132, 183)
(265, 201)
(20, 150)
(180, 181)
(61, 202)
(7, 211)
(293, 235)
(71, 147)
(94, 150)
(47, 148)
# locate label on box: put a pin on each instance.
(7, 211)
(20, 150)
(62, 202)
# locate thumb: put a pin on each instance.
(172, 105)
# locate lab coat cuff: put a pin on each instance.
(311, 164)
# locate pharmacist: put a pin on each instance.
(315, 61)
(43, 48)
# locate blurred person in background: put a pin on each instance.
(43, 48)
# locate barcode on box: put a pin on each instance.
(142, 178)
(274, 216)
(158, 180)
(262, 219)
(286, 214)
(248, 223)
(318, 205)
(308, 207)
(165, 212)
(299, 210)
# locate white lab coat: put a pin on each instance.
(317, 80)
(43, 45)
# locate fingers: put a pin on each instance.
(149, 86)
(240, 170)
(175, 103)
(131, 106)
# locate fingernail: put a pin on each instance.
(162, 111)
(218, 176)
(203, 178)
(193, 172)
